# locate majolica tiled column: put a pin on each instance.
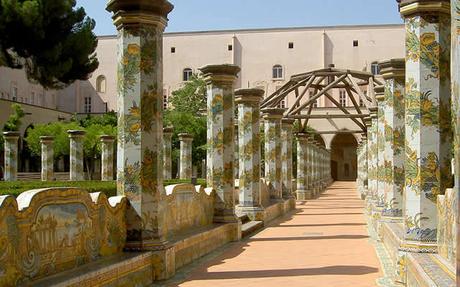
(455, 71)
(236, 159)
(287, 126)
(167, 153)
(303, 190)
(380, 173)
(393, 73)
(140, 25)
(311, 166)
(323, 168)
(248, 102)
(373, 150)
(220, 80)
(328, 167)
(11, 156)
(364, 165)
(76, 155)
(427, 117)
(314, 168)
(47, 155)
(272, 117)
(320, 168)
(359, 179)
(369, 134)
(107, 143)
(186, 141)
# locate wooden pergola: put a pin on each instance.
(323, 82)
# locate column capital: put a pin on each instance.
(220, 73)
(380, 93)
(11, 135)
(46, 139)
(393, 68)
(373, 112)
(287, 122)
(368, 121)
(409, 8)
(273, 113)
(76, 133)
(168, 131)
(135, 12)
(302, 136)
(185, 137)
(249, 96)
(107, 138)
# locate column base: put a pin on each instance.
(255, 213)
(305, 194)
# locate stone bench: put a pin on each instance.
(427, 270)
(126, 269)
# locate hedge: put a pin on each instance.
(108, 187)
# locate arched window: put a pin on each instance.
(277, 72)
(101, 84)
(187, 74)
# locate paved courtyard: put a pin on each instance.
(323, 243)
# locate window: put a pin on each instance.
(277, 72)
(14, 94)
(165, 99)
(343, 98)
(173, 50)
(355, 43)
(315, 103)
(87, 107)
(282, 104)
(101, 84)
(291, 45)
(230, 47)
(187, 74)
(375, 69)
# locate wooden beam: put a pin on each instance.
(328, 116)
(322, 92)
(274, 101)
(352, 98)
(277, 92)
(338, 105)
(338, 132)
(297, 100)
(357, 89)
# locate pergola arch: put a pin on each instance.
(324, 81)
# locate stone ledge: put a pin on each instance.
(121, 269)
(426, 270)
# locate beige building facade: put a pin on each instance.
(267, 57)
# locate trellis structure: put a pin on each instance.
(324, 81)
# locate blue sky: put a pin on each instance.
(198, 15)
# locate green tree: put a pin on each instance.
(107, 119)
(92, 143)
(186, 116)
(191, 98)
(13, 124)
(51, 39)
(58, 130)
